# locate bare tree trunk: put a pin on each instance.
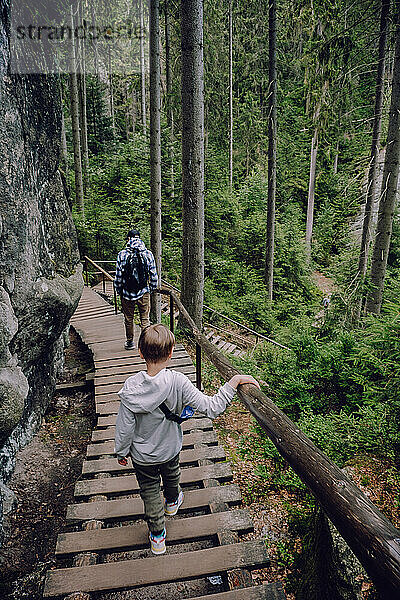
(155, 149)
(134, 111)
(336, 159)
(111, 90)
(376, 134)
(311, 193)
(142, 67)
(192, 158)
(389, 187)
(230, 97)
(64, 148)
(269, 256)
(170, 111)
(74, 95)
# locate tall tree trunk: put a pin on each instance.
(192, 157)
(134, 111)
(230, 97)
(142, 67)
(82, 105)
(376, 134)
(111, 91)
(389, 187)
(155, 148)
(311, 193)
(269, 256)
(83, 129)
(64, 148)
(170, 110)
(336, 159)
(74, 97)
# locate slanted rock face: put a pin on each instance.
(40, 275)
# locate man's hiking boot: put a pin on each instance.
(171, 508)
(157, 542)
(129, 345)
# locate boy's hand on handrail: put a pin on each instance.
(123, 461)
(240, 379)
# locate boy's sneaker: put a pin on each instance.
(129, 345)
(157, 542)
(171, 508)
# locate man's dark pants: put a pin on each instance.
(128, 308)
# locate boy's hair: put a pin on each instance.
(156, 342)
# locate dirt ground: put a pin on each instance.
(43, 483)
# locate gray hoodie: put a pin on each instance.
(142, 429)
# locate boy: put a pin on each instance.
(152, 440)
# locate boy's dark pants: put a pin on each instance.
(148, 477)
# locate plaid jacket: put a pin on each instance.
(148, 258)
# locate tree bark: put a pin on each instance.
(230, 97)
(142, 68)
(389, 187)
(311, 193)
(74, 98)
(111, 91)
(155, 149)
(269, 256)
(170, 111)
(376, 134)
(192, 157)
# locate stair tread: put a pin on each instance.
(156, 570)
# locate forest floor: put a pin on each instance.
(43, 483)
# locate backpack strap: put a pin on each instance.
(169, 414)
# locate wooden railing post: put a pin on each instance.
(198, 366)
(104, 284)
(115, 300)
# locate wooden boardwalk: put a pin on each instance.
(107, 546)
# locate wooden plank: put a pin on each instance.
(203, 423)
(111, 465)
(137, 535)
(266, 591)
(122, 365)
(201, 437)
(111, 360)
(128, 483)
(151, 571)
(133, 507)
(183, 365)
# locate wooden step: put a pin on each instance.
(129, 507)
(201, 437)
(137, 536)
(266, 591)
(124, 365)
(156, 570)
(128, 483)
(111, 465)
(183, 365)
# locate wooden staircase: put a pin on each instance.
(107, 546)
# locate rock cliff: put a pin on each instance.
(40, 276)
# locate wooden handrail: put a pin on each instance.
(107, 275)
(371, 536)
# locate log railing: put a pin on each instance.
(371, 536)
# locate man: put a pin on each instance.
(135, 279)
